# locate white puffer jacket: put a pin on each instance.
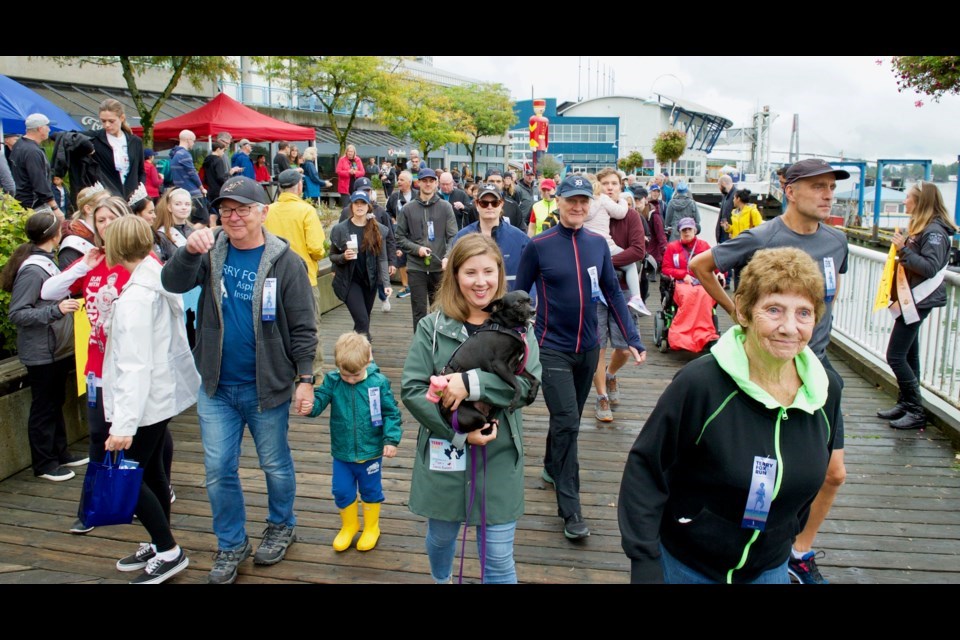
(148, 370)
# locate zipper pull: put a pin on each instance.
(784, 415)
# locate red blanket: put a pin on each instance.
(692, 327)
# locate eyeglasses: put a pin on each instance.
(243, 211)
(487, 204)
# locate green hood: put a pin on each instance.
(732, 358)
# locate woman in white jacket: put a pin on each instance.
(145, 383)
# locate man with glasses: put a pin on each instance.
(510, 209)
(511, 240)
(425, 228)
(256, 342)
(31, 170)
(808, 188)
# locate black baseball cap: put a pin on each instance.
(813, 167)
(243, 190)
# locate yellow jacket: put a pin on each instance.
(744, 218)
(297, 222)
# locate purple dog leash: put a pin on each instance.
(483, 506)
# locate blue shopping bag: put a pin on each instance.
(110, 493)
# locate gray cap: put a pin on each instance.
(35, 120)
(243, 142)
(288, 178)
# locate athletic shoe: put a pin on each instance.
(575, 528)
(73, 461)
(385, 305)
(604, 414)
(224, 570)
(79, 528)
(57, 475)
(158, 570)
(546, 477)
(138, 560)
(173, 496)
(276, 539)
(636, 303)
(404, 293)
(805, 569)
(613, 390)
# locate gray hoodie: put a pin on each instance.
(44, 334)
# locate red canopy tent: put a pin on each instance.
(223, 113)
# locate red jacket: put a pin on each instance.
(153, 182)
(343, 173)
(677, 256)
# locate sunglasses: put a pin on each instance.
(487, 204)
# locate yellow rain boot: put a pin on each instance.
(351, 525)
(371, 527)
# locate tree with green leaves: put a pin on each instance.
(424, 112)
(631, 162)
(550, 167)
(341, 84)
(196, 69)
(669, 145)
(487, 111)
(930, 75)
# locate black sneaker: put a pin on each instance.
(79, 528)
(805, 570)
(575, 528)
(57, 475)
(158, 570)
(276, 539)
(73, 461)
(138, 560)
(224, 570)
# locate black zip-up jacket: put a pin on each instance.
(922, 257)
(383, 218)
(413, 232)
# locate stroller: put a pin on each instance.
(668, 311)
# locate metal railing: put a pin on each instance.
(854, 318)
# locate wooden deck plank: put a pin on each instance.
(897, 520)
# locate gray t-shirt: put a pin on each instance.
(825, 242)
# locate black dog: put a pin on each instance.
(497, 347)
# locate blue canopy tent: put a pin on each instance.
(17, 102)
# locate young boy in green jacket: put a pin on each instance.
(364, 427)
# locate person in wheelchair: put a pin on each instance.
(688, 319)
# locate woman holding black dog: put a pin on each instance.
(447, 463)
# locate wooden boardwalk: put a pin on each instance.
(897, 519)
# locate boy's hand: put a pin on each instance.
(389, 451)
(304, 407)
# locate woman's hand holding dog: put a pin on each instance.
(455, 392)
(477, 439)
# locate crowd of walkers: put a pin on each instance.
(196, 293)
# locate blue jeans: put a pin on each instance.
(675, 572)
(222, 419)
(442, 547)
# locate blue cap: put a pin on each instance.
(682, 187)
(149, 153)
(653, 186)
(362, 183)
(575, 186)
(360, 195)
(426, 172)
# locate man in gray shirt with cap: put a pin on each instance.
(31, 170)
(809, 191)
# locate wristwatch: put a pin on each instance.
(304, 379)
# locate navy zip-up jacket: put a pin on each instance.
(559, 261)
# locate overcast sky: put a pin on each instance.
(847, 105)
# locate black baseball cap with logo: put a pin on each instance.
(243, 190)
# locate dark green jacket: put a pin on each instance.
(445, 495)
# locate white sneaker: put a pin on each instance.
(385, 306)
(636, 303)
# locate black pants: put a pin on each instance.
(360, 302)
(153, 507)
(903, 350)
(46, 430)
(567, 379)
(423, 289)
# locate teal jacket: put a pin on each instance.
(353, 438)
(445, 495)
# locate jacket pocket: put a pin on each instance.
(705, 539)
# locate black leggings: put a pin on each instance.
(153, 507)
(903, 350)
(46, 429)
(100, 430)
(360, 302)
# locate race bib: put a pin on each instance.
(445, 457)
(375, 417)
(761, 493)
(268, 311)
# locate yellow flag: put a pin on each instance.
(882, 301)
(81, 341)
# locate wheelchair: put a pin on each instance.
(668, 310)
